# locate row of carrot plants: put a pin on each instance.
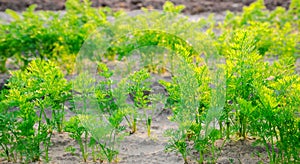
(253, 97)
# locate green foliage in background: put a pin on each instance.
(47, 34)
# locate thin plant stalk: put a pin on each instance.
(149, 121)
(134, 128)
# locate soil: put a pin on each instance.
(192, 6)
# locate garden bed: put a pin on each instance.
(93, 86)
(140, 148)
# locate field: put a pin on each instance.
(95, 85)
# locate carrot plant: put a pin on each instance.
(275, 119)
(138, 88)
(177, 143)
(244, 67)
(103, 116)
(191, 108)
(8, 131)
(83, 88)
(39, 89)
(104, 92)
(276, 31)
(83, 104)
(258, 91)
(76, 130)
(157, 102)
(106, 132)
